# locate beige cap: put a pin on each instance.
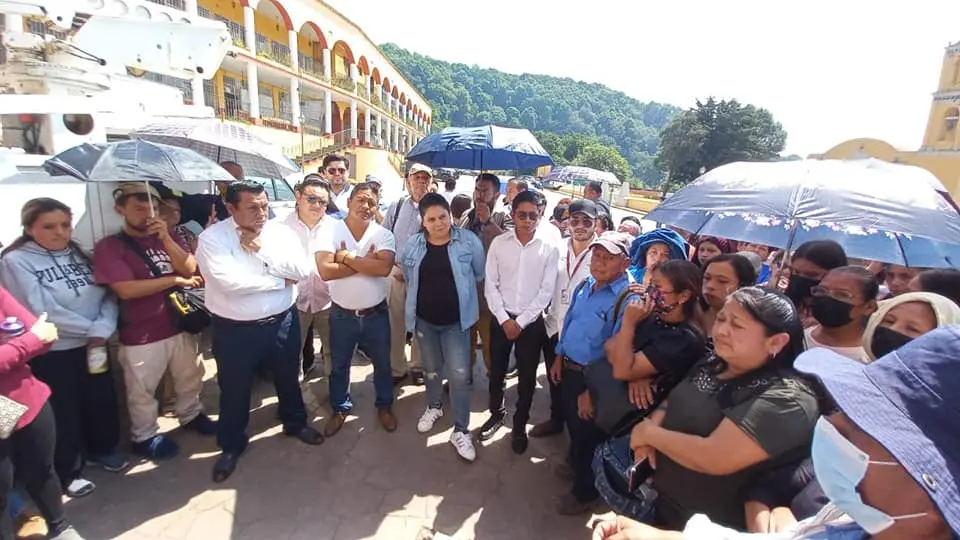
(135, 188)
(419, 167)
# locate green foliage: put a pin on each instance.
(580, 149)
(715, 133)
(464, 95)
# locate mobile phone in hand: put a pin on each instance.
(638, 474)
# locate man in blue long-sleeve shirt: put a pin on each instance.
(589, 322)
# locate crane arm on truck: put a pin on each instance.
(117, 40)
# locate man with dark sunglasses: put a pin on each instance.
(334, 169)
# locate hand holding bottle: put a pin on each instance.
(45, 330)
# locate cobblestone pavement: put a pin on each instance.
(361, 483)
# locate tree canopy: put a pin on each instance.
(715, 133)
(463, 95)
(588, 151)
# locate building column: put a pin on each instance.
(191, 7)
(249, 30)
(353, 122)
(366, 126)
(294, 50)
(396, 137)
(354, 74)
(326, 64)
(388, 139)
(196, 85)
(327, 113)
(295, 102)
(253, 90)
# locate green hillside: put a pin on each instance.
(463, 95)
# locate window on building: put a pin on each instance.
(950, 120)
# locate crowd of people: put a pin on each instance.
(662, 349)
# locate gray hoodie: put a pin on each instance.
(61, 284)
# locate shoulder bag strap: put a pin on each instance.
(133, 245)
(396, 212)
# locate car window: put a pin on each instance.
(268, 186)
(284, 192)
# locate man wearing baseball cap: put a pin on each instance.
(887, 458)
(579, 347)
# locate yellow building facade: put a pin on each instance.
(940, 150)
(302, 76)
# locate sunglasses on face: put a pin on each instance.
(316, 200)
(336, 170)
(528, 216)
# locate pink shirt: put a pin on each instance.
(313, 292)
(16, 380)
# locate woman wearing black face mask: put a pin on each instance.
(808, 265)
(904, 318)
(841, 304)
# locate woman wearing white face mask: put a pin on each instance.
(886, 459)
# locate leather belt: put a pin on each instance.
(365, 312)
(266, 321)
(571, 365)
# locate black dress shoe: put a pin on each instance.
(512, 374)
(397, 379)
(547, 429)
(224, 467)
(307, 435)
(520, 442)
(417, 377)
(490, 427)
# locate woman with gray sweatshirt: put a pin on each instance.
(48, 273)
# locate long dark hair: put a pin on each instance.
(31, 211)
(684, 276)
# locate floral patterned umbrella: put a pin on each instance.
(875, 210)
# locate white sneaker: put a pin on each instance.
(80, 487)
(463, 442)
(428, 419)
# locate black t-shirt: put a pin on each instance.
(672, 349)
(437, 299)
(775, 409)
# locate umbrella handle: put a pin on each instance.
(149, 199)
(774, 283)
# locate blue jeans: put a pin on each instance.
(370, 331)
(240, 349)
(445, 351)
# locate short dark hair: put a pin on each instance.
(942, 281)
(242, 186)
(526, 197)
(365, 186)
(540, 198)
(522, 185)
(430, 200)
(826, 254)
(869, 285)
(593, 185)
(634, 219)
(489, 177)
(450, 185)
(330, 158)
(742, 267)
(315, 180)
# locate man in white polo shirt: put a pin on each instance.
(354, 257)
(251, 267)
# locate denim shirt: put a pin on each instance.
(467, 261)
(590, 320)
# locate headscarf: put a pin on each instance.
(673, 240)
(944, 310)
(722, 244)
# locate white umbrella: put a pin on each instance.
(222, 141)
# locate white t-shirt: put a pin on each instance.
(357, 291)
(853, 353)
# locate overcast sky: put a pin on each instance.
(828, 71)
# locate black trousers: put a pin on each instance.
(85, 406)
(556, 400)
(527, 348)
(309, 354)
(28, 455)
(585, 436)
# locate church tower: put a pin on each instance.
(943, 132)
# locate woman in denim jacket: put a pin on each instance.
(449, 261)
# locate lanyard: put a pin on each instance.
(579, 262)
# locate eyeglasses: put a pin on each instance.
(528, 216)
(316, 200)
(586, 222)
(336, 170)
(844, 296)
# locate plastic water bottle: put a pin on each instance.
(10, 328)
(97, 360)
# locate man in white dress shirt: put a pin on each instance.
(354, 257)
(520, 276)
(251, 267)
(573, 267)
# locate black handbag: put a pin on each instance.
(189, 312)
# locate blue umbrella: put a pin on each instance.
(876, 210)
(481, 148)
(135, 161)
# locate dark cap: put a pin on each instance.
(585, 207)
